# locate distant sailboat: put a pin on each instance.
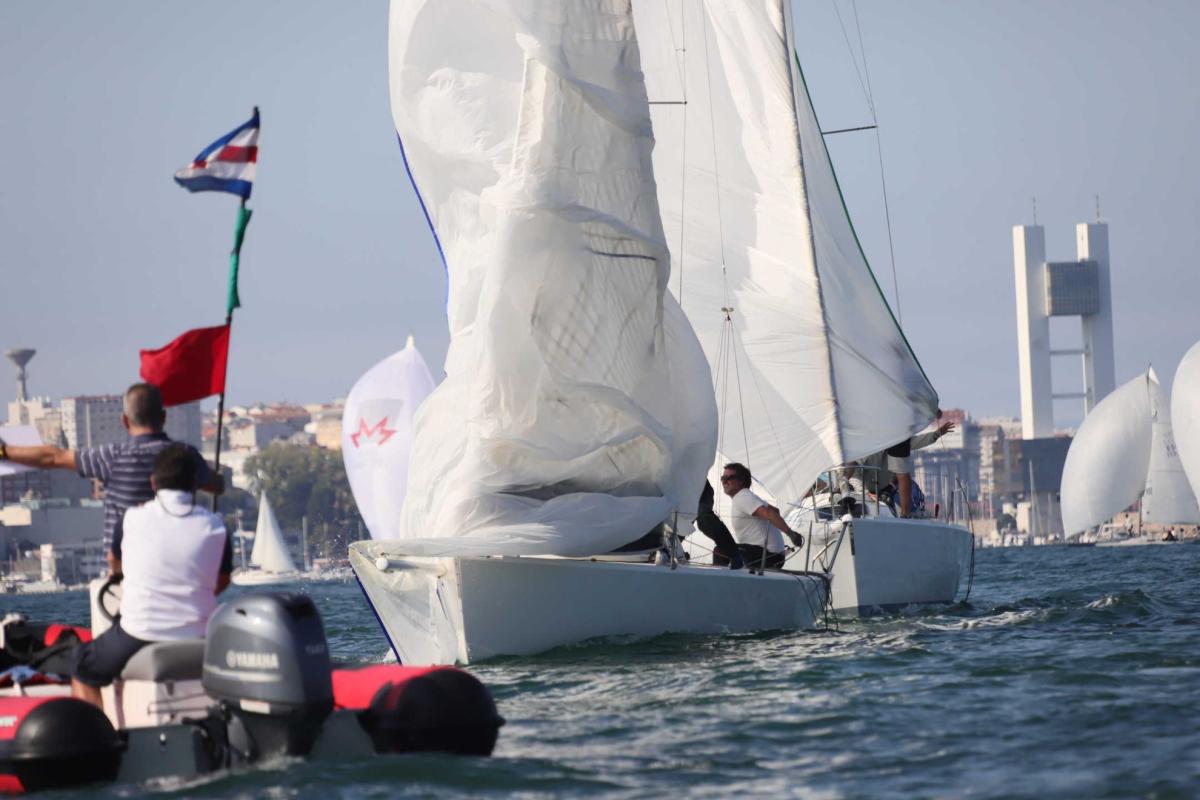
(1125, 450)
(1185, 415)
(270, 560)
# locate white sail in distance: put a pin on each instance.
(1109, 458)
(377, 436)
(270, 552)
(812, 368)
(577, 408)
(1168, 498)
(1185, 414)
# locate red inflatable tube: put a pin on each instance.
(412, 709)
(52, 742)
(354, 688)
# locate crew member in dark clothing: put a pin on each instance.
(725, 549)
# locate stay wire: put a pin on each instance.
(887, 211)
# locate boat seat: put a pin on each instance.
(167, 661)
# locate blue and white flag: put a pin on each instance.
(226, 165)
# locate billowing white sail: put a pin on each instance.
(377, 436)
(1168, 498)
(1185, 414)
(812, 369)
(1109, 457)
(577, 409)
(270, 553)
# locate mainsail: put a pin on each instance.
(1185, 414)
(1109, 457)
(270, 553)
(1168, 498)
(377, 436)
(812, 369)
(577, 408)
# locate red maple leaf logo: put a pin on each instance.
(368, 432)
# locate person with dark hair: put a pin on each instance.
(123, 468)
(758, 526)
(177, 557)
(725, 549)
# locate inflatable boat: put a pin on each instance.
(259, 686)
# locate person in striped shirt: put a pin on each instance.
(123, 468)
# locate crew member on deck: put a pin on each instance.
(725, 549)
(177, 558)
(756, 523)
(123, 468)
(894, 465)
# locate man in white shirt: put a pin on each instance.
(756, 523)
(176, 558)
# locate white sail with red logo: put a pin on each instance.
(377, 436)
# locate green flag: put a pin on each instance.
(239, 234)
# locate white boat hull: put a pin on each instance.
(257, 577)
(884, 564)
(463, 610)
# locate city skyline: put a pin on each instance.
(339, 265)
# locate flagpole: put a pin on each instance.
(232, 304)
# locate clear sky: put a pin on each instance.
(981, 106)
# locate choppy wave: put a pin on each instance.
(1071, 672)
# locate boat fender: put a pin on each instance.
(414, 709)
(55, 742)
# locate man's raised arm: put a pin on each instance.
(38, 456)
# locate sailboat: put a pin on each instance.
(1185, 415)
(812, 369)
(577, 414)
(1123, 450)
(270, 561)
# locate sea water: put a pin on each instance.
(1068, 673)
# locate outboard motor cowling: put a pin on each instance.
(266, 661)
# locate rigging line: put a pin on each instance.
(887, 211)
(853, 58)
(712, 123)
(741, 397)
(681, 68)
(863, 50)
(783, 459)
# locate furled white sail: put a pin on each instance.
(1109, 457)
(1168, 498)
(377, 436)
(270, 552)
(1185, 414)
(577, 409)
(812, 369)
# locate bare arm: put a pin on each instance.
(41, 456)
(771, 514)
(223, 581)
(114, 564)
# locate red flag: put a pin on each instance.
(189, 368)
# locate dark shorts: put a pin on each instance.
(752, 555)
(100, 661)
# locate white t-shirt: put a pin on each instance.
(171, 555)
(749, 529)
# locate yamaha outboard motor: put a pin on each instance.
(266, 661)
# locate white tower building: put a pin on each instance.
(1047, 289)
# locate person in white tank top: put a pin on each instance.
(176, 558)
